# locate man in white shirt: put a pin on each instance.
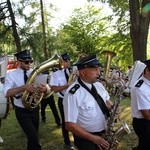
(14, 86)
(83, 115)
(140, 108)
(59, 82)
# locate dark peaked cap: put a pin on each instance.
(24, 55)
(65, 56)
(88, 62)
(147, 63)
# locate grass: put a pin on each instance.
(50, 134)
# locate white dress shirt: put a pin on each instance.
(58, 79)
(15, 79)
(82, 108)
(140, 98)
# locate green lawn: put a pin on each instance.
(50, 134)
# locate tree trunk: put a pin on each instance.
(44, 33)
(139, 29)
(15, 33)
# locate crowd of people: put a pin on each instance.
(84, 102)
(114, 78)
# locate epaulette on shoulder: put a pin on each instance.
(139, 83)
(74, 88)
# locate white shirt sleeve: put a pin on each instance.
(8, 83)
(68, 101)
(143, 100)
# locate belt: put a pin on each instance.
(26, 109)
(139, 118)
(98, 133)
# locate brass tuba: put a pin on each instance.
(108, 57)
(31, 100)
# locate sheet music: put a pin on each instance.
(41, 79)
(136, 72)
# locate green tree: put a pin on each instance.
(7, 7)
(37, 32)
(89, 31)
(138, 25)
(32, 32)
(83, 32)
(139, 28)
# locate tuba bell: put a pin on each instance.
(31, 100)
(108, 57)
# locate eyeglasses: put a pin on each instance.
(26, 62)
(66, 60)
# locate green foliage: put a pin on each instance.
(88, 31)
(84, 31)
(6, 40)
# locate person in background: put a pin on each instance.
(126, 91)
(83, 115)
(129, 71)
(14, 86)
(75, 71)
(59, 82)
(51, 102)
(140, 108)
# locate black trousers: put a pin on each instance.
(29, 122)
(51, 102)
(142, 129)
(64, 131)
(83, 144)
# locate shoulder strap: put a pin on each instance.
(140, 82)
(74, 88)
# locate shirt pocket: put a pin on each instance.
(62, 80)
(88, 109)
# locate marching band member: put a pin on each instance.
(51, 102)
(59, 82)
(140, 108)
(14, 86)
(84, 117)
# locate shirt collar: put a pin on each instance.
(146, 81)
(87, 84)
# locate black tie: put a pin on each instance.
(66, 75)
(93, 89)
(100, 101)
(25, 76)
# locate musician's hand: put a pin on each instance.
(102, 144)
(43, 88)
(29, 88)
(69, 83)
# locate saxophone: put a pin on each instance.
(111, 135)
